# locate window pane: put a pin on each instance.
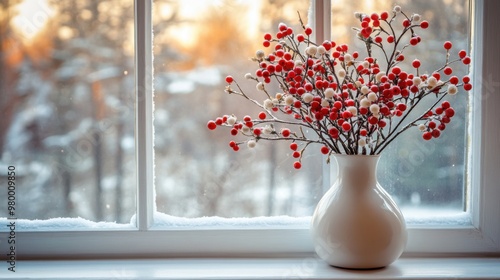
(198, 43)
(196, 172)
(423, 176)
(67, 101)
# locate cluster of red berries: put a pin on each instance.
(436, 121)
(354, 104)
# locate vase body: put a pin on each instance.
(356, 223)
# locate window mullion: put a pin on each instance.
(321, 20)
(144, 113)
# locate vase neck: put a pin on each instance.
(357, 172)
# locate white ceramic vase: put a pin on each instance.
(356, 224)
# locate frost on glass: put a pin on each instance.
(67, 103)
(198, 175)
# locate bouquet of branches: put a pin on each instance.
(352, 104)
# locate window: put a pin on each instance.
(68, 124)
(196, 174)
(481, 235)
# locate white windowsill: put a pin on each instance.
(252, 268)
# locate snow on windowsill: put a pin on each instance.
(414, 218)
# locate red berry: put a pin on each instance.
(401, 107)
(325, 150)
(390, 39)
(229, 79)
(466, 79)
(416, 63)
(333, 131)
(449, 112)
(373, 120)
(454, 80)
(384, 15)
(211, 125)
(232, 144)
(308, 31)
(294, 146)
(436, 75)
(234, 131)
(236, 148)
(414, 41)
(363, 110)
(406, 23)
(285, 132)
(467, 87)
(424, 24)
(308, 87)
(268, 37)
(466, 60)
(378, 39)
(300, 38)
(297, 165)
(436, 133)
(442, 127)
(346, 126)
(432, 125)
(462, 54)
(346, 114)
(445, 105)
(257, 131)
(447, 45)
(382, 123)
(427, 135)
(296, 154)
(448, 71)
(262, 115)
(266, 44)
(327, 45)
(282, 27)
(363, 132)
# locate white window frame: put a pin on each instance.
(481, 237)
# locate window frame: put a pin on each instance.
(481, 237)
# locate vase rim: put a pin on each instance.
(356, 155)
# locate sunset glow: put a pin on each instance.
(32, 16)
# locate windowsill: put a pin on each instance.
(253, 268)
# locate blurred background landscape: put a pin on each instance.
(67, 110)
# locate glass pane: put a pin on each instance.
(425, 177)
(196, 44)
(67, 101)
(196, 172)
